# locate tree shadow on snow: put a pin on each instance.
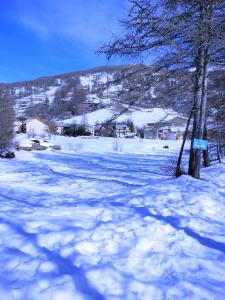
(63, 265)
(175, 223)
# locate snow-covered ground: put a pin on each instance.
(92, 223)
(104, 145)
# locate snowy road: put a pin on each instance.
(109, 227)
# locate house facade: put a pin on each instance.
(102, 130)
(121, 130)
(166, 130)
(35, 127)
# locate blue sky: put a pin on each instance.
(47, 37)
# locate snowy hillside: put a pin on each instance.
(38, 92)
(139, 117)
(66, 95)
(35, 98)
(91, 223)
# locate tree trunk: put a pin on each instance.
(206, 160)
(178, 169)
(200, 87)
(199, 114)
(218, 148)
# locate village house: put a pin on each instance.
(34, 127)
(166, 130)
(102, 130)
(60, 126)
(121, 130)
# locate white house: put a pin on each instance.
(121, 129)
(60, 125)
(37, 127)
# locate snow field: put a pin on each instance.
(91, 223)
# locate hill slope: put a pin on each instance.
(101, 89)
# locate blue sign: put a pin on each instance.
(200, 144)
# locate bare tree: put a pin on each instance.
(78, 99)
(178, 34)
(216, 107)
(6, 121)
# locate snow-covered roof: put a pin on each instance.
(39, 119)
